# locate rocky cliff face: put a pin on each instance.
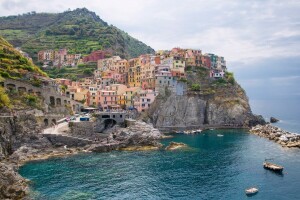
(15, 132)
(227, 107)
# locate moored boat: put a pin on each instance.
(251, 191)
(273, 167)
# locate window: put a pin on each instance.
(114, 116)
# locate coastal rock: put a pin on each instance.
(140, 148)
(12, 185)
(228, 108)
(15, 131)
(175, 145)
(138, 135)
(284, 138)
(273, 120)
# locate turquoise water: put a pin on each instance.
(212, 168)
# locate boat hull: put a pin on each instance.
(273, 167)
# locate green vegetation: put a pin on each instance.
(13, 64)
(195, 87)
(24, 100)
(4, 99)
(80, 31)
(230, 77)
(82, 70)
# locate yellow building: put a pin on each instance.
(130, 93)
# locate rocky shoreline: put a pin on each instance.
(284, 138)
(139, 136)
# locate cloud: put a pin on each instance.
(242, 31)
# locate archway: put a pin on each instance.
(21, 89)
(58, 102)
(46, 122)
(109, 123)
(53, 122)
(11, 86)
(52, 101)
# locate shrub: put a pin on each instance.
(182, 80)
(4, 99)
(31, 100)
(195, 87)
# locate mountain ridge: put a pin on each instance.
(79, 30)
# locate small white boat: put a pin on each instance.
(211, 129)
(251, 191)
(199, 130)
(220, 135)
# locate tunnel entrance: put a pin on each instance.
(109, 123)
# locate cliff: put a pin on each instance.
(14, 133)
(214, 106)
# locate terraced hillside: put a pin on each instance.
(80, 31)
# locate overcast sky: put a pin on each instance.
(237, 29)
(260, 39)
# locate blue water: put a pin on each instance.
(212, 168)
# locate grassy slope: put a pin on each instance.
(13, 64)
(80, 31)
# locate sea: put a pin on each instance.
(217, 164)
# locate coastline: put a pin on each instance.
(278, 135)
(140, 142)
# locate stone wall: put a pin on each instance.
(84, 129)
(56, 102)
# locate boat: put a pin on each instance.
(220, 135)
(251, 191)
(199, 130)
(273, 167)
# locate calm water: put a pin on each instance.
(212, 168)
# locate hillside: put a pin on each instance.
(80, 31)
(13, 64)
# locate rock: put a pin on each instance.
(12, 185)
(139, 148)
(284, 138)
(175, 145)
(186, 111)
(273, 120)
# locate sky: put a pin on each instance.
(260, 39)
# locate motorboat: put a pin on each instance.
(251, 191)
(273, 167)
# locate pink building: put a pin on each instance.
(145, 99)
(107, 98)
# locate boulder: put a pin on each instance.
(175, 145)
(273, 120)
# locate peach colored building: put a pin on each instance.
(107, 98)
(144, 99)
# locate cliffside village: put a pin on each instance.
(133, 84)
